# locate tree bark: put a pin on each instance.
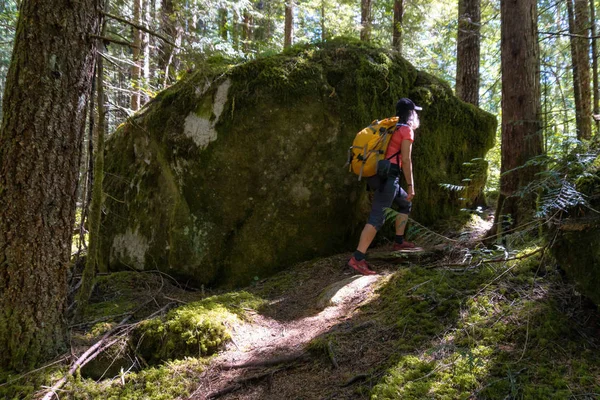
(223, 23)
(579, 24)
(289, 24)
(521, 127)
(397, 28)
(467, 51)
(47, 90)
(247, 31)
(94, 262)
(596, 93)
(145, 50)
(582, 24)
(323, 33)
(365, 20)
(136, 69)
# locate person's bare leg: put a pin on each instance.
(366, 237)
(401, 221)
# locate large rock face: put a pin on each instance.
(236, 172)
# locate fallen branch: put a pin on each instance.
(86, 357)
(140, 27)
(267, 363)
(96, 349)
(115, 41)
(332, 355)
(495, 260)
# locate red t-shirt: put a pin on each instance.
(402, 132)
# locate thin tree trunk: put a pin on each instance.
(223, 23)
(578, 26)
(145, 50)
(397, 28)
(582, 25)
(135, 69)
(42, 132)
(168, 23)
(467, 51)
(247, 31)
(574, 66)
(365, 20)
(94, 261)
(596, 93)
(289, 24)
(521, 133)
(323, 34)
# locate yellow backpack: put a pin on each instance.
(369, 147)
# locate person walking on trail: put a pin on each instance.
(389, 191)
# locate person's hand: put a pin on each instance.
(411, 193)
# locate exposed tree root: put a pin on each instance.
(239, 383)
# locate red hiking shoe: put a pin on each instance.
(361, 266)
(404, 246)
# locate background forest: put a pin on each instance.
(187, 33)
(488, 310)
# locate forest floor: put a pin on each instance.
(452, 322)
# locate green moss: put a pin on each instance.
(499, 332)
(116, 294)
(175, 379)
(197, 329)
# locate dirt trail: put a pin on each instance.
(267, 356)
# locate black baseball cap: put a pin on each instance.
(405, 104)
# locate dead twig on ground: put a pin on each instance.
(268, 363)
(96, 349)
(332, 355)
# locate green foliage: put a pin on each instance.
(174, 379)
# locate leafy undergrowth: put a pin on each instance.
(496, 330)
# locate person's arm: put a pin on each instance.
(407, 168)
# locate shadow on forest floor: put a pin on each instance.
(511, 330)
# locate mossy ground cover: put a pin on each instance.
(496, 330)
(513, 330)
(167, 352)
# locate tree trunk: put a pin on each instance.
(223, 23)
(582, 25)
(47, 88)
(467, 51)
(323, 34)
(247, 31)
(365, 20)
(579, 26)
(135, 68)
(397, 28)
(289, 24)
(94, 261)
(145, 50)
(596, 99)
(167, 21)
(521, 133)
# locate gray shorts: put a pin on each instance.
(384, 198)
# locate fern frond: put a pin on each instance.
(451, 187)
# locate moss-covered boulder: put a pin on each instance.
(236, 171)
(577, 244)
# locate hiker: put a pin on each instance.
(389, 191)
